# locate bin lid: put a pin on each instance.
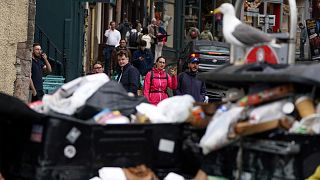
(237, 75)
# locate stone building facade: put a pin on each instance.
(16, 38)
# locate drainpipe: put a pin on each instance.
(292, 32)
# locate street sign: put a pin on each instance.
(262, 19)
(272, 20)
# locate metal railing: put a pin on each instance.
(56, 57)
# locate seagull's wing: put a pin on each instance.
(249, 35)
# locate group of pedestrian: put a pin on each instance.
(156, 79)
(194, 34)
(129, 69)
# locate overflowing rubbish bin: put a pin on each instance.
(275, 134)
(60, 147)
(57, 144)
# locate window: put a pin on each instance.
(191, 20)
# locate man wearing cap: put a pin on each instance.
(189, 84)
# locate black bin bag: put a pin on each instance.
(113, 96)
(15, 118)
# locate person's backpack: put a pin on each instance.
(133, 38)
(152, 77)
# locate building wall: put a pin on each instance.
(13, 31)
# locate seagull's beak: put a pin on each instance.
(216, 11)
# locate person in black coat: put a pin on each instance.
(129, 76)
(142, 58)
(189, 84)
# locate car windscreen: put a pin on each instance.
(214, 49)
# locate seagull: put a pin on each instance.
(240, 34)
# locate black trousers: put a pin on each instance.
(37, 97)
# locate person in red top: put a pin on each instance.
(157, 81)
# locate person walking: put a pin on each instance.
(157, 81)
(128, 75)
(189, 84)
(40, 63)
(303, 39)
(206, 34)
(132, 36)
(153, 30)
(146, 37)
(193, 33)
(112, 40)
(124, 28)
(142, 58)
(139, 26)
(161, 40)
(114, 56)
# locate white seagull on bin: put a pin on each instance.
(240, 34)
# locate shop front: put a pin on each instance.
(266, 15)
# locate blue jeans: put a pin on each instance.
(107, 58)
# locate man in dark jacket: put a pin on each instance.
(142, 58)
(189, 84)
(303, 39)
(114, 56)
(124, 27)
(128, 76)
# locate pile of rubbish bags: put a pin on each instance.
(99, 99)
(266, 106)
(249, 108)
(269, 121)
(72, 119)
(267, 109)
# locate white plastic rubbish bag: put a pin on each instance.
(95, 178)
(267, 112)
(111, 173)
(218, 128)
(74, 94)
(152, 112)
(177, 108)
(171, 110)
(173, 176)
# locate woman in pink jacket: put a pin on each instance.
(157, 81)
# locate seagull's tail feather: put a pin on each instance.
(274, 44)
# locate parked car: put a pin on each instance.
(212, 54)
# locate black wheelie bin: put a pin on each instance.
(275, 154)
